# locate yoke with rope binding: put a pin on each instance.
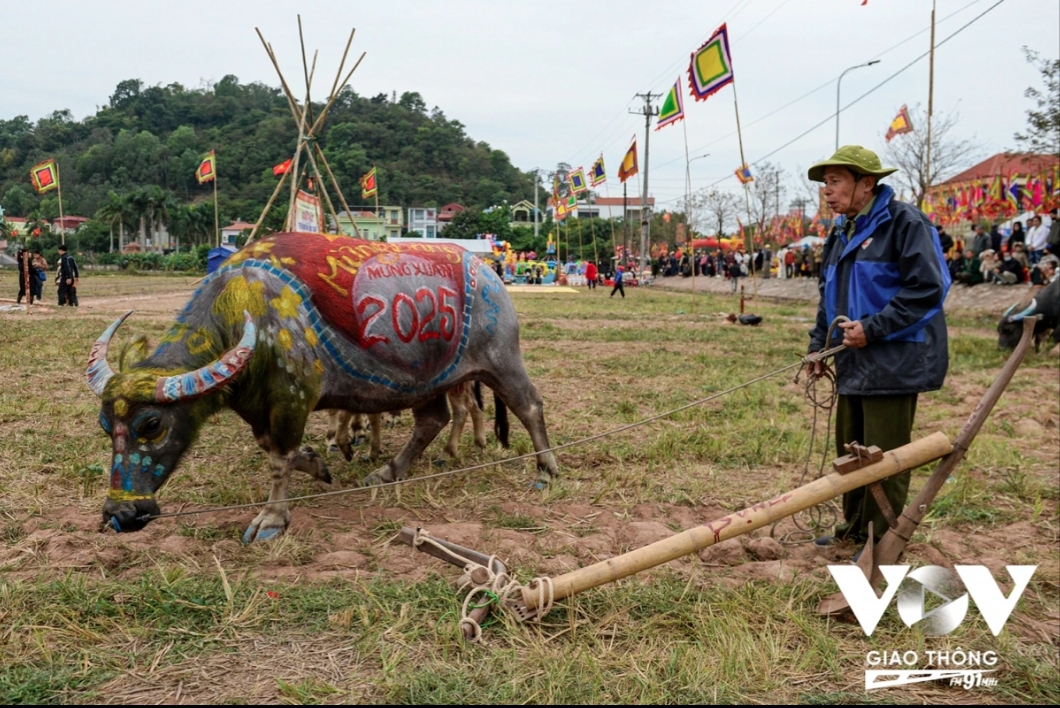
(862, 466)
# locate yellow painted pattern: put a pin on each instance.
(121, 407)
(238, 296)
(287, 304)
(311, 338)
(200, 341)
(284, 338)
(120, 495)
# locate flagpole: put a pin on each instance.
(688, 211)
(931, 103)
(748, 239)
(216, 215)
(268, 205)
(62, 219)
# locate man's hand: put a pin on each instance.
(814, 369)
(853, 334)
(69, 281)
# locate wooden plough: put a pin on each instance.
(488, 577)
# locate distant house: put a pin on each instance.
(522, 214)
(370, 226)
(16, 225)
(68, 224)
(230, 233)
(447, 213)
(424, 221)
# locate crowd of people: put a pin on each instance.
(1010, 256)
(33, 269)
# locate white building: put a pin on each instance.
(423, 221)
(609, 208)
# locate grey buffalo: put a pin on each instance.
(1045, 306)
(301, 322)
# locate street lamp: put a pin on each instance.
(838, 84)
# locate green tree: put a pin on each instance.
(1043, 122)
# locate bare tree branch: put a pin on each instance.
(721, 206)
(1043, 124)
(949, 154)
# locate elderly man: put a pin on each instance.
(884, 270)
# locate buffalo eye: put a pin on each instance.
(150, 429)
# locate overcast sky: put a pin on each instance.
(552, 82)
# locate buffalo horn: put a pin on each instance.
(212, 376)
(1030, 310)
(99, 371)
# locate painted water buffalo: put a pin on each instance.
(1045, 306)
(299, 322)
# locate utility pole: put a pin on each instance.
(537, 171)
(645, 217)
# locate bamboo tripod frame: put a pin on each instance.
(308, 125)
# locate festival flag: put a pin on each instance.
(711, 67)
(673, 108)
(282, 168)
(207, 168)
(900, 124)
(743, 173)
(572, 202)
(628, 168)
(577, 181)
(45, 176)
(369, 187)
(1013, 193)
(561, 209)
(597, 175)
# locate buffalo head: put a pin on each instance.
(152, 416)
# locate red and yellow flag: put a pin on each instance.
(369, 187)
(282, 168)
(207, 171)
(45, 176)
(900, 124)
(628, 168)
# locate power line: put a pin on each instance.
(856, 100)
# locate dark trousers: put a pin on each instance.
(884, 421)
(618, 287)
(67, 295)
(591, 283)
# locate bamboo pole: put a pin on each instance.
(216, 213)
(338, 190)
(907, 457)
(62, 218)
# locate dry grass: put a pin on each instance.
(335, 612)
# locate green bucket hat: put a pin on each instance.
(853, 157)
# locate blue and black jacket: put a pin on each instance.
(891, 275)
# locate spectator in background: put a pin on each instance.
(980, 240)
(1037, 240)
(590, 275)
(40, 274)
(970, 269)
(996, 239)
(618, 283)
(947, 243)
(1009, 271)
(1018, 235)
(1019, 254)
(988, 265)
(25, 265)
(68, 278)
(1053, 242)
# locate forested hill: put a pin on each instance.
(148, 137)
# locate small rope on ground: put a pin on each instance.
(499, 589)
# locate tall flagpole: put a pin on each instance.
(62, 219)
(748, 238)
(688, 212)
(931, 101)
(216, 216)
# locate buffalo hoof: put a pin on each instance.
(383, 475)
(266, 526)
(333, 448)
(539, 485)
(358, 440)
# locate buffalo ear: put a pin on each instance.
(134, 351)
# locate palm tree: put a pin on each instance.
(138, 208)
(111, 212)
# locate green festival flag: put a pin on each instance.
(673, 108)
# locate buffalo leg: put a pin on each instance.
(430, 418)
(375, 422)
(458, 401)
(339, 433)
(519, 394)
(275, 517)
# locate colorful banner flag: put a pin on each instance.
(628, 168)
(673, 108)
(572, 202)
(900, 124)
(561, 210)
(282, 168)
(743, 173)
(597, 175)
(711, 67)
(207, 168)
(577, 181)
(45, 176)
(369, 187)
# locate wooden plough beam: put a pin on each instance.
(849, 474)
